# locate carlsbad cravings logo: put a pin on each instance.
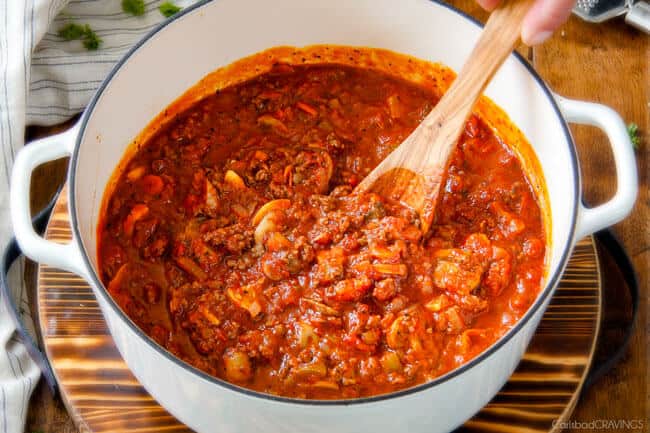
(602, 425)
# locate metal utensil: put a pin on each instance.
(637, 14)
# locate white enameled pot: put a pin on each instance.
(213, 34)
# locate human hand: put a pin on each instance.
(543, 18)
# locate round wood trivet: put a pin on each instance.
(102, 395)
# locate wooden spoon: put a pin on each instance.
(413, 172)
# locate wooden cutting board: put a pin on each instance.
(102, 395)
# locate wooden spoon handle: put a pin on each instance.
(497, 41)
(413, 172)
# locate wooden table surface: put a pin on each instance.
(607, 63)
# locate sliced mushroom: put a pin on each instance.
(281, 204)
(234, 180)
(266, 225)
(238, 365)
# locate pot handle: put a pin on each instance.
(63, 256)
(591, 220)
(11, 254)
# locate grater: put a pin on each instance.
(637, 14)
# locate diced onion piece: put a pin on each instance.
(246, 297)
(397, 334)
(399, 269)
(325, 384)
(321, 308)
(234, 180)
(317, 368)
(135, 174)
(238, 366)
(444, 253)
(455, 322)
(281, 204)
(190, 266)
(137, 212)
(437, 304)
(415, 343)
(382, 252)
(211, 199)
(390, 362)
(305, 334)
(307, 109)
(288, 175)
(270, 121)
(205, 311)
(371, 337)
(395, 107)
(116, 282)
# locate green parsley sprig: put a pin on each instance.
(168, 9)
(133, 7)
(74, 31)
(633, 132)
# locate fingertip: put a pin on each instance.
(488, 5)
(543, 18)
(534, 38)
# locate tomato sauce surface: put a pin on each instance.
(232, 238)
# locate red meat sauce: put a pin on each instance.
(232, 238)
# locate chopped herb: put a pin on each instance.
(74, 31)
(168, 9)
(133, 7)
(633, 131)
(91, 40)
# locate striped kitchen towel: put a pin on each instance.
(46, 80)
